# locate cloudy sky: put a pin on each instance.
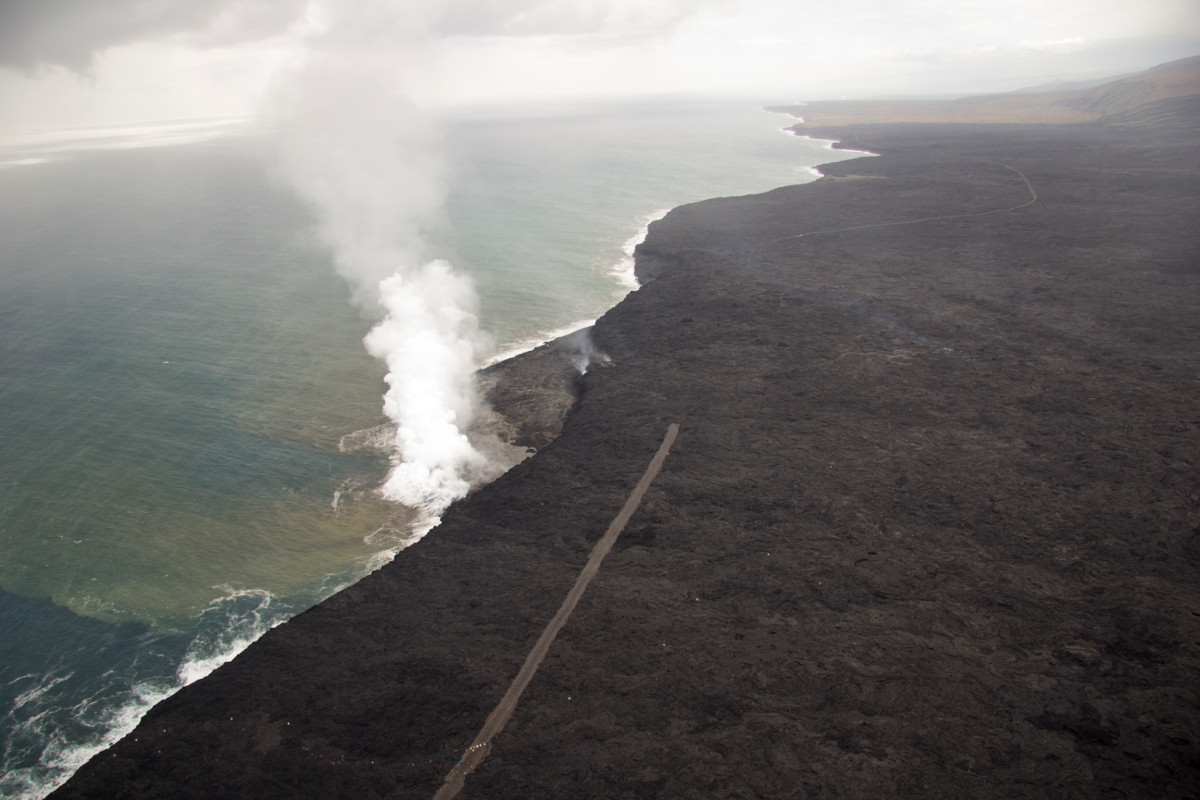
(77, 62)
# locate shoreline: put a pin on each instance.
(391, 533)
(889, 555)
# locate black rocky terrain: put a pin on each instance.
(931, 528)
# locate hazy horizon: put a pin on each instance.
(68, 64)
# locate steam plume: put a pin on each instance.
(426, 341)
(365, 160)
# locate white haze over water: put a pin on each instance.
(366, 160)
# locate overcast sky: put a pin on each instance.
(78, 62)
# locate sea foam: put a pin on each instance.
(66, 736)
(623, 270)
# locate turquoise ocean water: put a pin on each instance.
(179, 360)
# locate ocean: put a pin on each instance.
(179, 360)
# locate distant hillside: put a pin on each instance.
(1158, 95)
(1063, 86)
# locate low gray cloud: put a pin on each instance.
(69, 33)
(561, 17)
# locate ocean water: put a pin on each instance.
(179, 361)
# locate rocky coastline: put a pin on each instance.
(931, 527)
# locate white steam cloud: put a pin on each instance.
(365, 159)
(427, 341)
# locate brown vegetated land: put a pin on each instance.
(1180, 79)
